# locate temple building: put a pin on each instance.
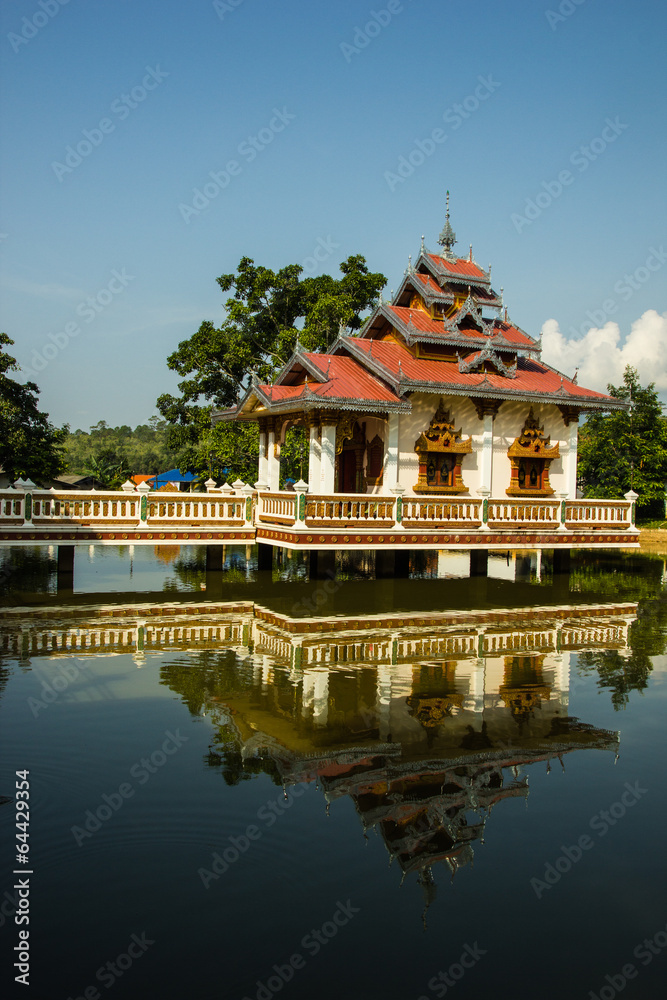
(440, 395)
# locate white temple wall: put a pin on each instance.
(507, 426)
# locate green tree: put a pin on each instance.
(29, 445)
(266, 314)
(626, 449)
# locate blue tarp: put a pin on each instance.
(173, 476)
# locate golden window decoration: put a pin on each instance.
(441, 449)
(530, 456)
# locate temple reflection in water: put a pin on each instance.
(425, 721)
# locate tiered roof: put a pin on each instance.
(446, 332)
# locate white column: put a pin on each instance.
(391, 465)
(328, 458)
(571, 464)
(314, 460)
(486, 459)
(263, 473)
(273, 461)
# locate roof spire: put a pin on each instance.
(447, 237)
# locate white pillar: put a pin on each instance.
(571, 464)
(486, 460)
(314, 460)
(328, 458)
(263, 473)
(391, 465)
(273, 461)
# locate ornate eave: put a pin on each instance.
(488, 355)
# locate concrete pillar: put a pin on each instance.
(263, 472)
(273, 461)
(562, 561)
(314, 460)
(401, 564)
(391, 471)
(479, 562)
(328, 459)
(486, 457)
(65, 578)
(322, 564)
(264, 557)
(214, 558)
(571, 462)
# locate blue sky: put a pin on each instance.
(108, 261)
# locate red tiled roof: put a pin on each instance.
(433, 286)
(459, 266)
(532, 377)
(347, 379)
(422, 321)
(429, 281)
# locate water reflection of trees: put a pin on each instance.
(621, 674)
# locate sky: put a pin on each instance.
(148, 145)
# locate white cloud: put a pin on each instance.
(602, 358)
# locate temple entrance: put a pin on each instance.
(347, 471)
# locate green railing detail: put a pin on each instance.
(399, 510)
(485, 510)
(144, 508)
(248, 508)
(302, 506)
(27, 509)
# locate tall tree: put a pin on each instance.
(266, 314)
(29, 445)
(627, 449)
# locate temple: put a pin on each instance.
(441, 395)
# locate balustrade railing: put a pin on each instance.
(598, 513)
(350, 509)
(524, 512)
(277, 508)
(418, 511)
(52, 508)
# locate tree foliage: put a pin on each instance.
(626, 449)
(112, 454)
(264, 316)
(30, 446)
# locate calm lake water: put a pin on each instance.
(249, 784)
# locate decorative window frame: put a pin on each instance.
(441, 439)
(531, 445)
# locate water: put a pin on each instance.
(247, 784)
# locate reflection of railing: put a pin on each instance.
(277, 508)
(535, 512)
(442, 512)
(348, 509)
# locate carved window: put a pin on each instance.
(441, 449)
(530, 456)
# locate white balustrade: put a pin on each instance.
(53, 508)
(524, 512)
(598, 513)
(422, 511)
(348, 509)
(277, 508)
